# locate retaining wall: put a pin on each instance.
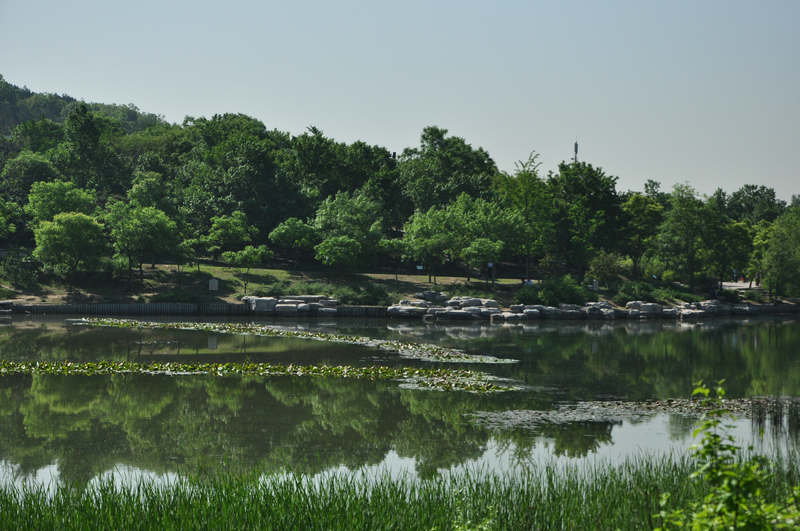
(150, 308)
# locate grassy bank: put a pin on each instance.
(597, 496)
(165, 283)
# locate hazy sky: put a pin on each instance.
(700, 91)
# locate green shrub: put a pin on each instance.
(633, 291)
(669, 276)
(645, 291)
(736, 484)
(527, 295)
(606, 268)
(554, 291)
(20, 269)
(369, 294)
(729, 295)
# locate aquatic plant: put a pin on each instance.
(438, 379)
(736, 488)
(416, 351)
(545, 496)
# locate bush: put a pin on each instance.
(737, 484)
(645, 291)
(633, 291)
(527, 295)
(21, 270)
(606, 268)
(555, 291)
(368, 295)
(729, 295)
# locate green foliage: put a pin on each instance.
(150, 189)
(481, 251)
(651, 292)
(644, 213)
(10, 218)
(606, 268)
(443, 168)
(679, 242)
(70, 242)
(247, 258)
(370, 294)
(781, 262)
(230, 178)
(21, 107)
(293, 233)
(142, 234)
(341, 252)
(727, 244)
(47, 199)
(755, 203)
(21, 172)
(554, 291)
(348, 224)
(228, 233)
(587, 214)
(529, 197)
(425, 240)
(736, 498)
(20, 269)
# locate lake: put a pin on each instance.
(78, 428)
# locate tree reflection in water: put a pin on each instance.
(195, 424)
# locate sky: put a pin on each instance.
(700, 91)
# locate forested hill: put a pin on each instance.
(94, 187)
(19, 105)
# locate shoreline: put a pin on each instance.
(416, 309)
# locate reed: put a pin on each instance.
(545, 496)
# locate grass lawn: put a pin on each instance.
(165, 283)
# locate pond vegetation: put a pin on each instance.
(418, 351)
(604, 496)
(442, 379)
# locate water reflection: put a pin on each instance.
(82, 426)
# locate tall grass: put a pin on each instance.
(549, 496)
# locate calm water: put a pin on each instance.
(77, 428)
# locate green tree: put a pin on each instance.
(293, 233)
(643, 214)
(247, 258)
(679, 241)
(753, 203)
(761, 236)
(527, 194)
(468, 219)
(70, 242)
(353, 216)
(21, 172)
(87, 156)
(10, 218)
(781, 264)
(38, 136)
(425, 240)
(47, 199)
(587, 213)
(228, 233)
(150, 189)
(481, 251)
(141, 234)
(339, 252)
(726, 243)
(443, 168)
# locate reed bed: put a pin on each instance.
(546, 496)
